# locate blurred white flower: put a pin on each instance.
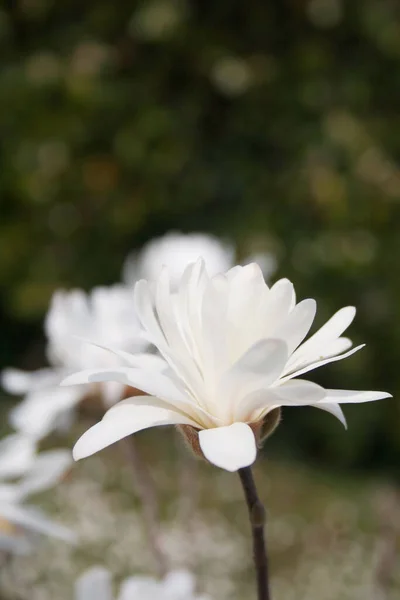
(176, 251)
(35, 473)
(231, 348)
(105, 316)
(97, 583)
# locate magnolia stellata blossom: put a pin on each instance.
(97, 583)
(232, 352)
(36, 473)
(176, 251)
(105, 316)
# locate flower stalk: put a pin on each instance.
(257, 517)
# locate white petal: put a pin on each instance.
(257, 369)
(32, 519)
(276, 306)
(121, 421)
(256, 405)
(315, 347)
(48, 469)
(299, 392)
(18, 544)
(153, 383)
(179, 584)
(265, 358)
(230, 448)
(354, 396)
(19, 382)
(199, 417)
(246, 286)
(17, 454)
(214, 327)
(334, 409)
(140, 587)
(321, 363)
(297, 324)
(138, 360)
(94, 584)
(144, 305)
(38, 413)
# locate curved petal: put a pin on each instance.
(94, 584)
(314, 347)
(257, 369)
(246, 288)
(32, 519)
(122, 421)
(144, 306)
(265, 359)
(276, 306)
(18, 382)
(353, 396)
(230, 448)
(153, 383)
(37, 414)
(48, 469)
(297, 324)
(334, 409)
(17, 454)
(321, 363)
(200, 417)
(299, 392)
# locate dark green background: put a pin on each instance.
(115, 127)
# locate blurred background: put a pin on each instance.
(274, 126)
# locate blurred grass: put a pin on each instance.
(330, 536)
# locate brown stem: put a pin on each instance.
(144, 486)
(257, 521)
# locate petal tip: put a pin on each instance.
(231, 448)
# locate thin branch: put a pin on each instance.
(257, 521)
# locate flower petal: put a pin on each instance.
(17, 454)
(124, 420)
(257, 369)
(140, 587)
(48, 469)
(353, 396)
(95, 583)
(179, 584)
(18, 382)
(334, 409)
(37, 414)
(330, 331)
(150, 382)
(230, 448)
(246, 288)
(297, 324)
(299, 392)
(32, 519)
(276, 306)
(200, 418)
(321, 363)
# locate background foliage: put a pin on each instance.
(272, 124)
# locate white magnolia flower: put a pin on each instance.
(107, 317)
(97, 583)
(35, 473)
(176, 251)
(231, 352)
